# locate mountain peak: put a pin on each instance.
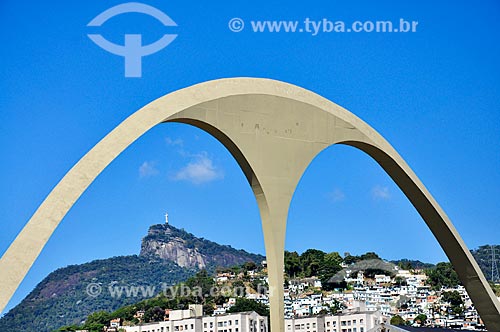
(169, 243)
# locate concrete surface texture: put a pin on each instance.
(273, 130)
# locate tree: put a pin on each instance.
(311, 261)
(208, 309)
(369, 255)
(443, 275)
(243, 304)
(483, 258)
(292, 263)
(421, 319)
(94, 327)
(455, 301)
(249, 266)
(329, 266)
(400, 281)
(323, 312)
(202, 281)
(125, 313)
(97, 320)
(220, 299)
(336, 307)
(397, 320)
(154, 314)
(405, 265)
(452, 298)
(349, 259)
(333, 258)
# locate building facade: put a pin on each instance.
(356, 321)
(234, 322)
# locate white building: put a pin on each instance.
(403, 274)
(248, 321)
(355, 321)
(358, 280)
(382, 279)
(194, 310)
(305, 324)
(235, 322)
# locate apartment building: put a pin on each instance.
(180, 322)
(355, 321)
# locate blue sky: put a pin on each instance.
(433, 94)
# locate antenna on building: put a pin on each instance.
(494, 267)
(166, 218)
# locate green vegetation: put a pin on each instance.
(496, 288)
(397, 320)
(337, 307)
(443, 275)
(97, 320)
(242, 304)
(323, 265)
(349, 259)
(420, 319)
(483, 258)
(313, 262)
(408, 264)
(400, 281)
(455, 301)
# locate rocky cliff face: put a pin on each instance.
(172, 244)
(172, 249)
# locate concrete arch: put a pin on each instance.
(274, 130)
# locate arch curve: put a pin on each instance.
(441, 227)
(274, 130)
(229, 145)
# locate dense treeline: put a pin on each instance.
(484, 257)
(318, 263)
(443, 275)
(410, 264)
